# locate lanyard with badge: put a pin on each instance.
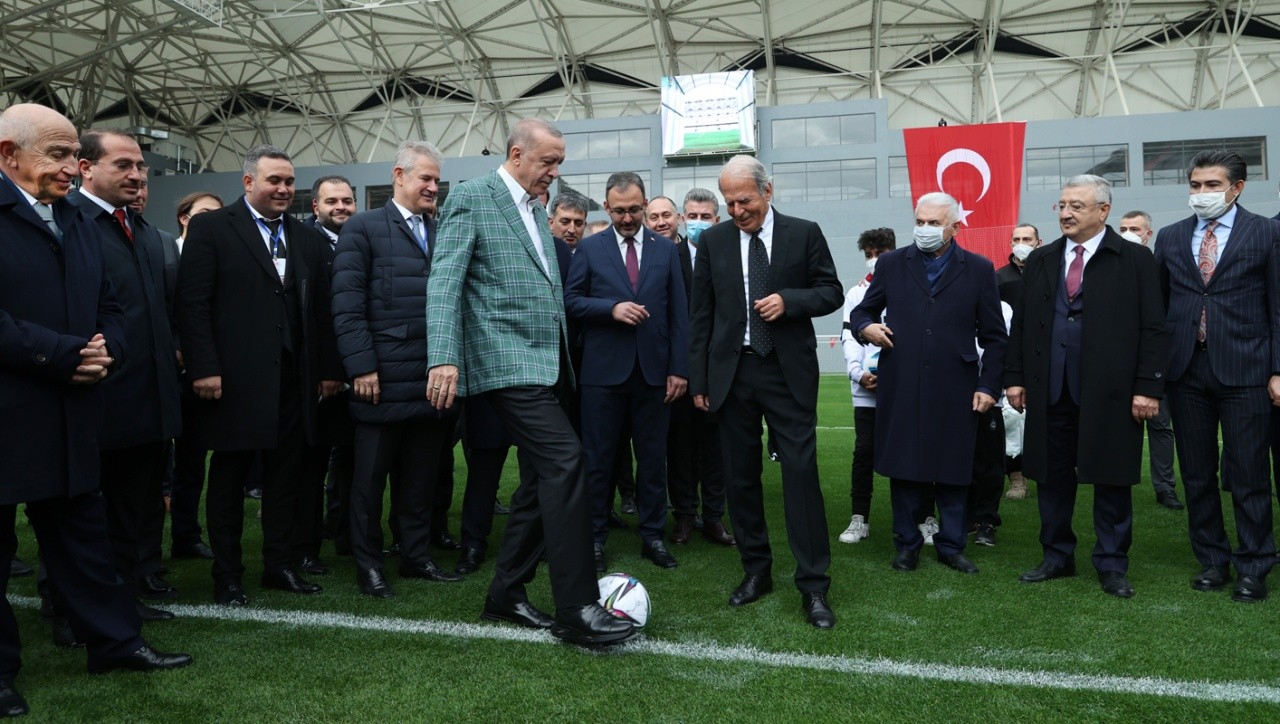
(275, 238)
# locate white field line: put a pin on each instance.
(1231, 691)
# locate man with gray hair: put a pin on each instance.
(1086, 361)
(257, 340)
(495, 285)
(931, 382)
(379, 292)
(757, 285)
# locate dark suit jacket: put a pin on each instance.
(611, 349)
(1123, 354)
(925, 423)
(379, 302)
(232, 312)
(54, 296)
(686, 268)
(1009, 281)
(800, 270)
(1241, 300)
(142, 398)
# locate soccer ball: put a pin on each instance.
(625, 597)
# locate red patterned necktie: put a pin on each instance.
(1075, 273)
(1208, 262)
(633, 263)
(119, 214)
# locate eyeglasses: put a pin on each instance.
(1074, 208)
(126, 166)
(630, 211)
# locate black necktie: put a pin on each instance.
(277, 244)
(758, 273)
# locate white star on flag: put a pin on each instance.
(964, 215)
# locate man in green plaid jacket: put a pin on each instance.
(496, 327)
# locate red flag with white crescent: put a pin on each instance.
(981, 166)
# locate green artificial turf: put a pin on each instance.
(249, 671)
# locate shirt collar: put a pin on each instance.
(257, 216)
(518, 194)
(1226, 221)
(622, 240)
(766, 227)
(1090, 246)
(403, 211)
(97, 200)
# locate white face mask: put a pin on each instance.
(693, 229)
(1210, 205)
(1022, 251)
(871, 265)
(928, 238)
(1130, 236)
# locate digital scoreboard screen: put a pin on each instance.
(708, 113)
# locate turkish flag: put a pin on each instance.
(981, 166)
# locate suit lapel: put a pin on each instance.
(954, 267)
(295, 265)
(1241, 234)
(1053, 267)
(780, 247)
(614, 254)
(915, 268)
(9, 194)
(397, 220)
(647, 259)
(686, 264)
(507, 207)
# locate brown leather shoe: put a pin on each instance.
(682, 530)
(714, 531)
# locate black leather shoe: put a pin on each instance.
(521, 613)
(598, 549)
(373, 583)
(817, 610)
(11, 702)
(394, 550)
(615, 522)
(149, 614)
(590, 625)
(288, 580)
(1169, 499)
(1250, 589)
(1212, 578)
(500, 509)
(229, 593)
(1115, 584)
(312, 566)
(428, 571)
(470, 560)
(19, 568)
(958, 562)
(144, 659)
(1047, 572)
(715, 532)
(155, 588)
(443, 541)
(199, 550)
(628, 506)
(656, 551)
(750, 590)
(63, 636)
(906, 561)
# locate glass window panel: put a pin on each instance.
(858, 179)
(859, 128)
(823, 183)
(634, 142)
(375, 197)
(1166, 162)
(575, 146)
(899, 178)
(788, 133)
(602, 144)
(822, 131)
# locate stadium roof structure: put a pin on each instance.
(343, 81)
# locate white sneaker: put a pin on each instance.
(928, 528)
(857, 530)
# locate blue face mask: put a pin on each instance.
(693, 230)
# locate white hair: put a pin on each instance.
(938, 198)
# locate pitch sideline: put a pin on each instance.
(1230, 692)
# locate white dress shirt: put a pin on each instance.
(622, 246)
(744, 240)
(524, 204)
(1090, 248)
